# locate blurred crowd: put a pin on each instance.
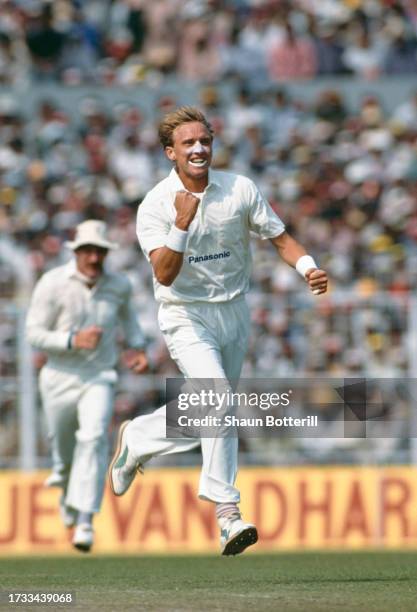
(342, 179)
(130, 41)
(344, 182)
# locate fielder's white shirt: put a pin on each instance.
(217, 260)
(62, 303)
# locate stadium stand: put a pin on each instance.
(335, 154)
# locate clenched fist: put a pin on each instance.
(186, 205)
(87, 338)
(317, 279)
(136, 360)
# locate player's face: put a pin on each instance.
(191, 151)
(90, 260)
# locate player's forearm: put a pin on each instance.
(166, 265)
(167, 261)
(45, 340)
(133, 333)
(295, 255)
(288, 248)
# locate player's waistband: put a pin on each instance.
(197, 304)
(214, 303)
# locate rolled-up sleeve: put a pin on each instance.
(151, 228)
(40, 320)
(262, 219)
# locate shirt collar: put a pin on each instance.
(177, 184)
(71, 271)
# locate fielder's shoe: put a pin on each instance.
(236, 535)
(83, 537)
(68, 514)
(123, 468)
(55, 480)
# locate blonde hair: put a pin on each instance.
(183, 114)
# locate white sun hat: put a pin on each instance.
(91, 232)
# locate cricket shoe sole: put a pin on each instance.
(120, 474)
(239, 541)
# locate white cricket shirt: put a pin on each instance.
(62, 303)
(217, 260)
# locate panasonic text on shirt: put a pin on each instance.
(210, 257)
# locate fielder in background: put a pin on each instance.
(74, 316)
(194, 227)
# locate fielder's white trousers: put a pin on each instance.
(78, 413)
(206, 341)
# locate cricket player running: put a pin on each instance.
(194, 227)
(74, 316)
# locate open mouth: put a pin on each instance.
(198, 162)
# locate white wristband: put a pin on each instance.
(177, 239)
(306, 262)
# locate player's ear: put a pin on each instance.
(169, 152)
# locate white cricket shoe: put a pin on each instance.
(68, 514)
(123, 468)
(236, 535)
(83, 537)
(55, 480)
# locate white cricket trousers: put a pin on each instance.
(78, 413)
(206, 341)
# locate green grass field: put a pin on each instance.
(308, 582)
